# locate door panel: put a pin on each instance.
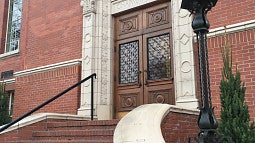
(157, 56)
(129, 91)
(158, 79)
(128, 25)
(157, 18)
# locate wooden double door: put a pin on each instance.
(143, 58)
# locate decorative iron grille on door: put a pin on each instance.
(128, 59)
(159, 57)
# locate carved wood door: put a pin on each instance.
(143, 58)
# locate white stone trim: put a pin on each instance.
(183, 57)
(232, 28)
(8, 81)
(42, 116)
(143, 124)
(184, 110)
(48, 67)
(89, 57)
(89, 6)
(123, 5)
(9, 54)
(97, 57)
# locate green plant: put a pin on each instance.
(4, 114)
(234, 112)
(251, 134)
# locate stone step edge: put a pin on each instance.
(99, 132)
(43, 116)
(82, 123)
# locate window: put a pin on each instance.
(7, 74)
(11, 99)
(13, 26)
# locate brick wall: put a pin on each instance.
(228, 12)
(243, 47)
(52, 32)
(33, 89)
(178, 127)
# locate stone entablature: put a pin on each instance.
(123, 5)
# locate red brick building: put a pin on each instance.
(48, 45)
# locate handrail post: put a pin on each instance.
(92, 99)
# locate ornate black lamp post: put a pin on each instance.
(206, 121)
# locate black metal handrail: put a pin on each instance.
(54, 98)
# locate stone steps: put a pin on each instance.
(77, 131)
(63, 131)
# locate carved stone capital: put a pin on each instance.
(89, 6)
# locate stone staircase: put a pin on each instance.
(77, 131)
(177, 126)
(63, 131)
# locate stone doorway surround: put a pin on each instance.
(97, 54)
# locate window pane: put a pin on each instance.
(11, 101)
(14, 25)
(129, 62)
(159, 57)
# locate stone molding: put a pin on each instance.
(48, 67)
(8, 81)
(184, 65)
(243, 26)
(97, 58)
(9, 54)
(123, 5)
(88, 6)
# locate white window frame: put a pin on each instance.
(8, 51)
(11, 102)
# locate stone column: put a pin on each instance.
(97, 58)
(88, 54)
(184, 65)
(104, 69)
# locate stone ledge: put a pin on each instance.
(247, 25)
(9, 54)
(48, 67)
(42, 116)
(8, 81)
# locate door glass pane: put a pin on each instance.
(129, 62)
(158, 57)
